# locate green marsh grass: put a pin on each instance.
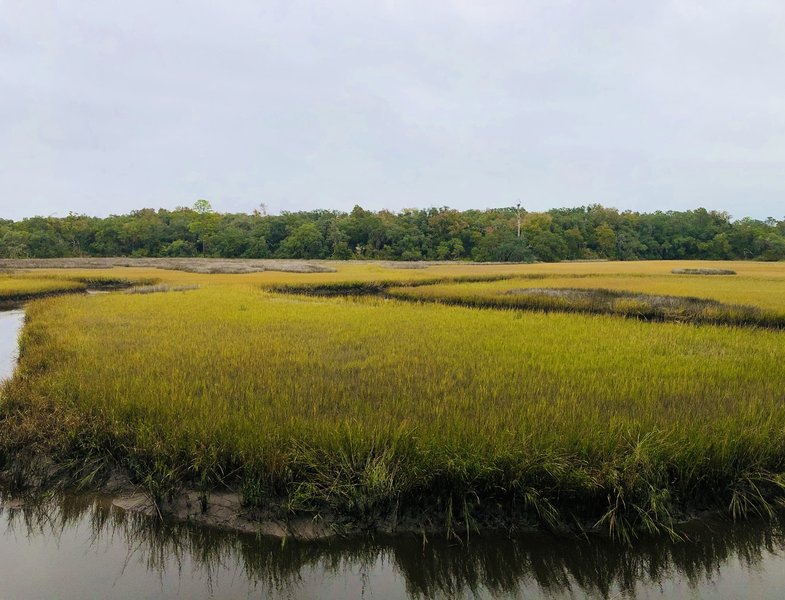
(365, 406)
(16, 288)
(743, 301)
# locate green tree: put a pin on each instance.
(605, 239)
(304, 242)
(205, 224)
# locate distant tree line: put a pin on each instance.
(588, 232)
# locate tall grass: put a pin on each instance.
(23, 286)
(15, 288)
(648, 307)
(367, 407)
(764, 291)
(743, 301)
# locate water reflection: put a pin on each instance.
(83, 547)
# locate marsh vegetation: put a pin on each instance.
(703, 272)
(372, 412)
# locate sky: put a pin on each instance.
(109, 106)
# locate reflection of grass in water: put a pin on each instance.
(500, 565)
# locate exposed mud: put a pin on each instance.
(191, 265)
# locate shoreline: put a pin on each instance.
(224, 509)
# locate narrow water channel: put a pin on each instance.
(10, 325)
(76, 547)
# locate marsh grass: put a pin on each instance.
(110, 282)
(18, 288)
(160, 287)
(638, 305)
(645, 307)
(703, 272)
(372, 409)
(15, 289)
(743, 301)
(381, 286)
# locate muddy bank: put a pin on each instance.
(26, 481)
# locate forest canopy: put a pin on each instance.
(589, 232)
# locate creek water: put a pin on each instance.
(75, 547)
(10, 325)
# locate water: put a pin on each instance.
(10, 324)
(83, 547)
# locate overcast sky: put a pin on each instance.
(108, 106)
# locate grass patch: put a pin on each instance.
(160, 287)
(371, 408)
(703, 272)
(647, 307)
(741, 301)
(381, 286)
(109, 282)
(15, 289)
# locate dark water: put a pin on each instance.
(83, 547)
(78, 548)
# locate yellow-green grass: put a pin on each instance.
(765, 292)
(15, 288)
(366, 406)
(18, 288)
(753, 298)
(360, 271)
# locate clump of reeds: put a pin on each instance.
(160, 287)
(351, 287)
(112, 282)
(703, 272)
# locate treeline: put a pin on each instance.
(430, 234)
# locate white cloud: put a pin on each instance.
(107, 107)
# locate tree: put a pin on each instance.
(545, 243)
(411, 234)
(205, 224)
(605, 238)
(304, 242)
(202, 207)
